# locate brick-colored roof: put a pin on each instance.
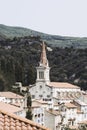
(83, 122)
(53, 112)
(34, 105)
(62, 85)
(70, 105)
(9, 108)
(10, 95)
(13, 122)
(17, 104)
(38, 103)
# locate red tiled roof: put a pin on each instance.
(53, 112)
(9, 108)
(10, 95)
(62, 85)
(83, 122)
(70, 105)
(13, 122)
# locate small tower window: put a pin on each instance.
(41, 75)
(40, 86)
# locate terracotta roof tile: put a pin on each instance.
(83, 122)
(53, 112)
(10, 95)
(62, 85)
(10, 108)
(70, 105)
(10, 121)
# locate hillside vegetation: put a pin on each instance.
(53, 40)
(19, 58)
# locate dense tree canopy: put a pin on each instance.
(19, 58)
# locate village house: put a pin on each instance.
(64, 100)
(53, 119)
(12, 109)
(13, 98)
(10, 121)
(38, 114)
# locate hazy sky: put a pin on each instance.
(60, 17)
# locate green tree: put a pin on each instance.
(2, 83)
(29, 114)
(29, 102)
(30, 75)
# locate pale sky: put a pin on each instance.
(60, 17)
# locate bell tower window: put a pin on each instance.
(41, 75)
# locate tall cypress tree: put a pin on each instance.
(29, 114)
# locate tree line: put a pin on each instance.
(19, 58)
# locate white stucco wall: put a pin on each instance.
(38, 115)
(71, 114)
(61, 90)
(40, 90)
(49, 121)
(2, 99)
(21, 113)
(52, 121)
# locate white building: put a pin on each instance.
(12, 109)
(82, 108)
(13, 98)
(38, 108)
(38, 114)
(52, 119)
(70, 114)
(46, 90)
(63, 107)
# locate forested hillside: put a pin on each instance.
(53, 40)
(20, 56)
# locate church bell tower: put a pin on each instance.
(43, 69)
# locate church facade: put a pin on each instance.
(47, 90)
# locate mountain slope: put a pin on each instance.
(54, 40)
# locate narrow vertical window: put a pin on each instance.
(41, 75)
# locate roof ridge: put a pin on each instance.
(23, 120)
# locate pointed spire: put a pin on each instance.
(43, 60)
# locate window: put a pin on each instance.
(35, 115)
(33, 96)
(38, 115)
(48, 96)
(40, 96)
(38, 121)
(46, 99)
(41, 75)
